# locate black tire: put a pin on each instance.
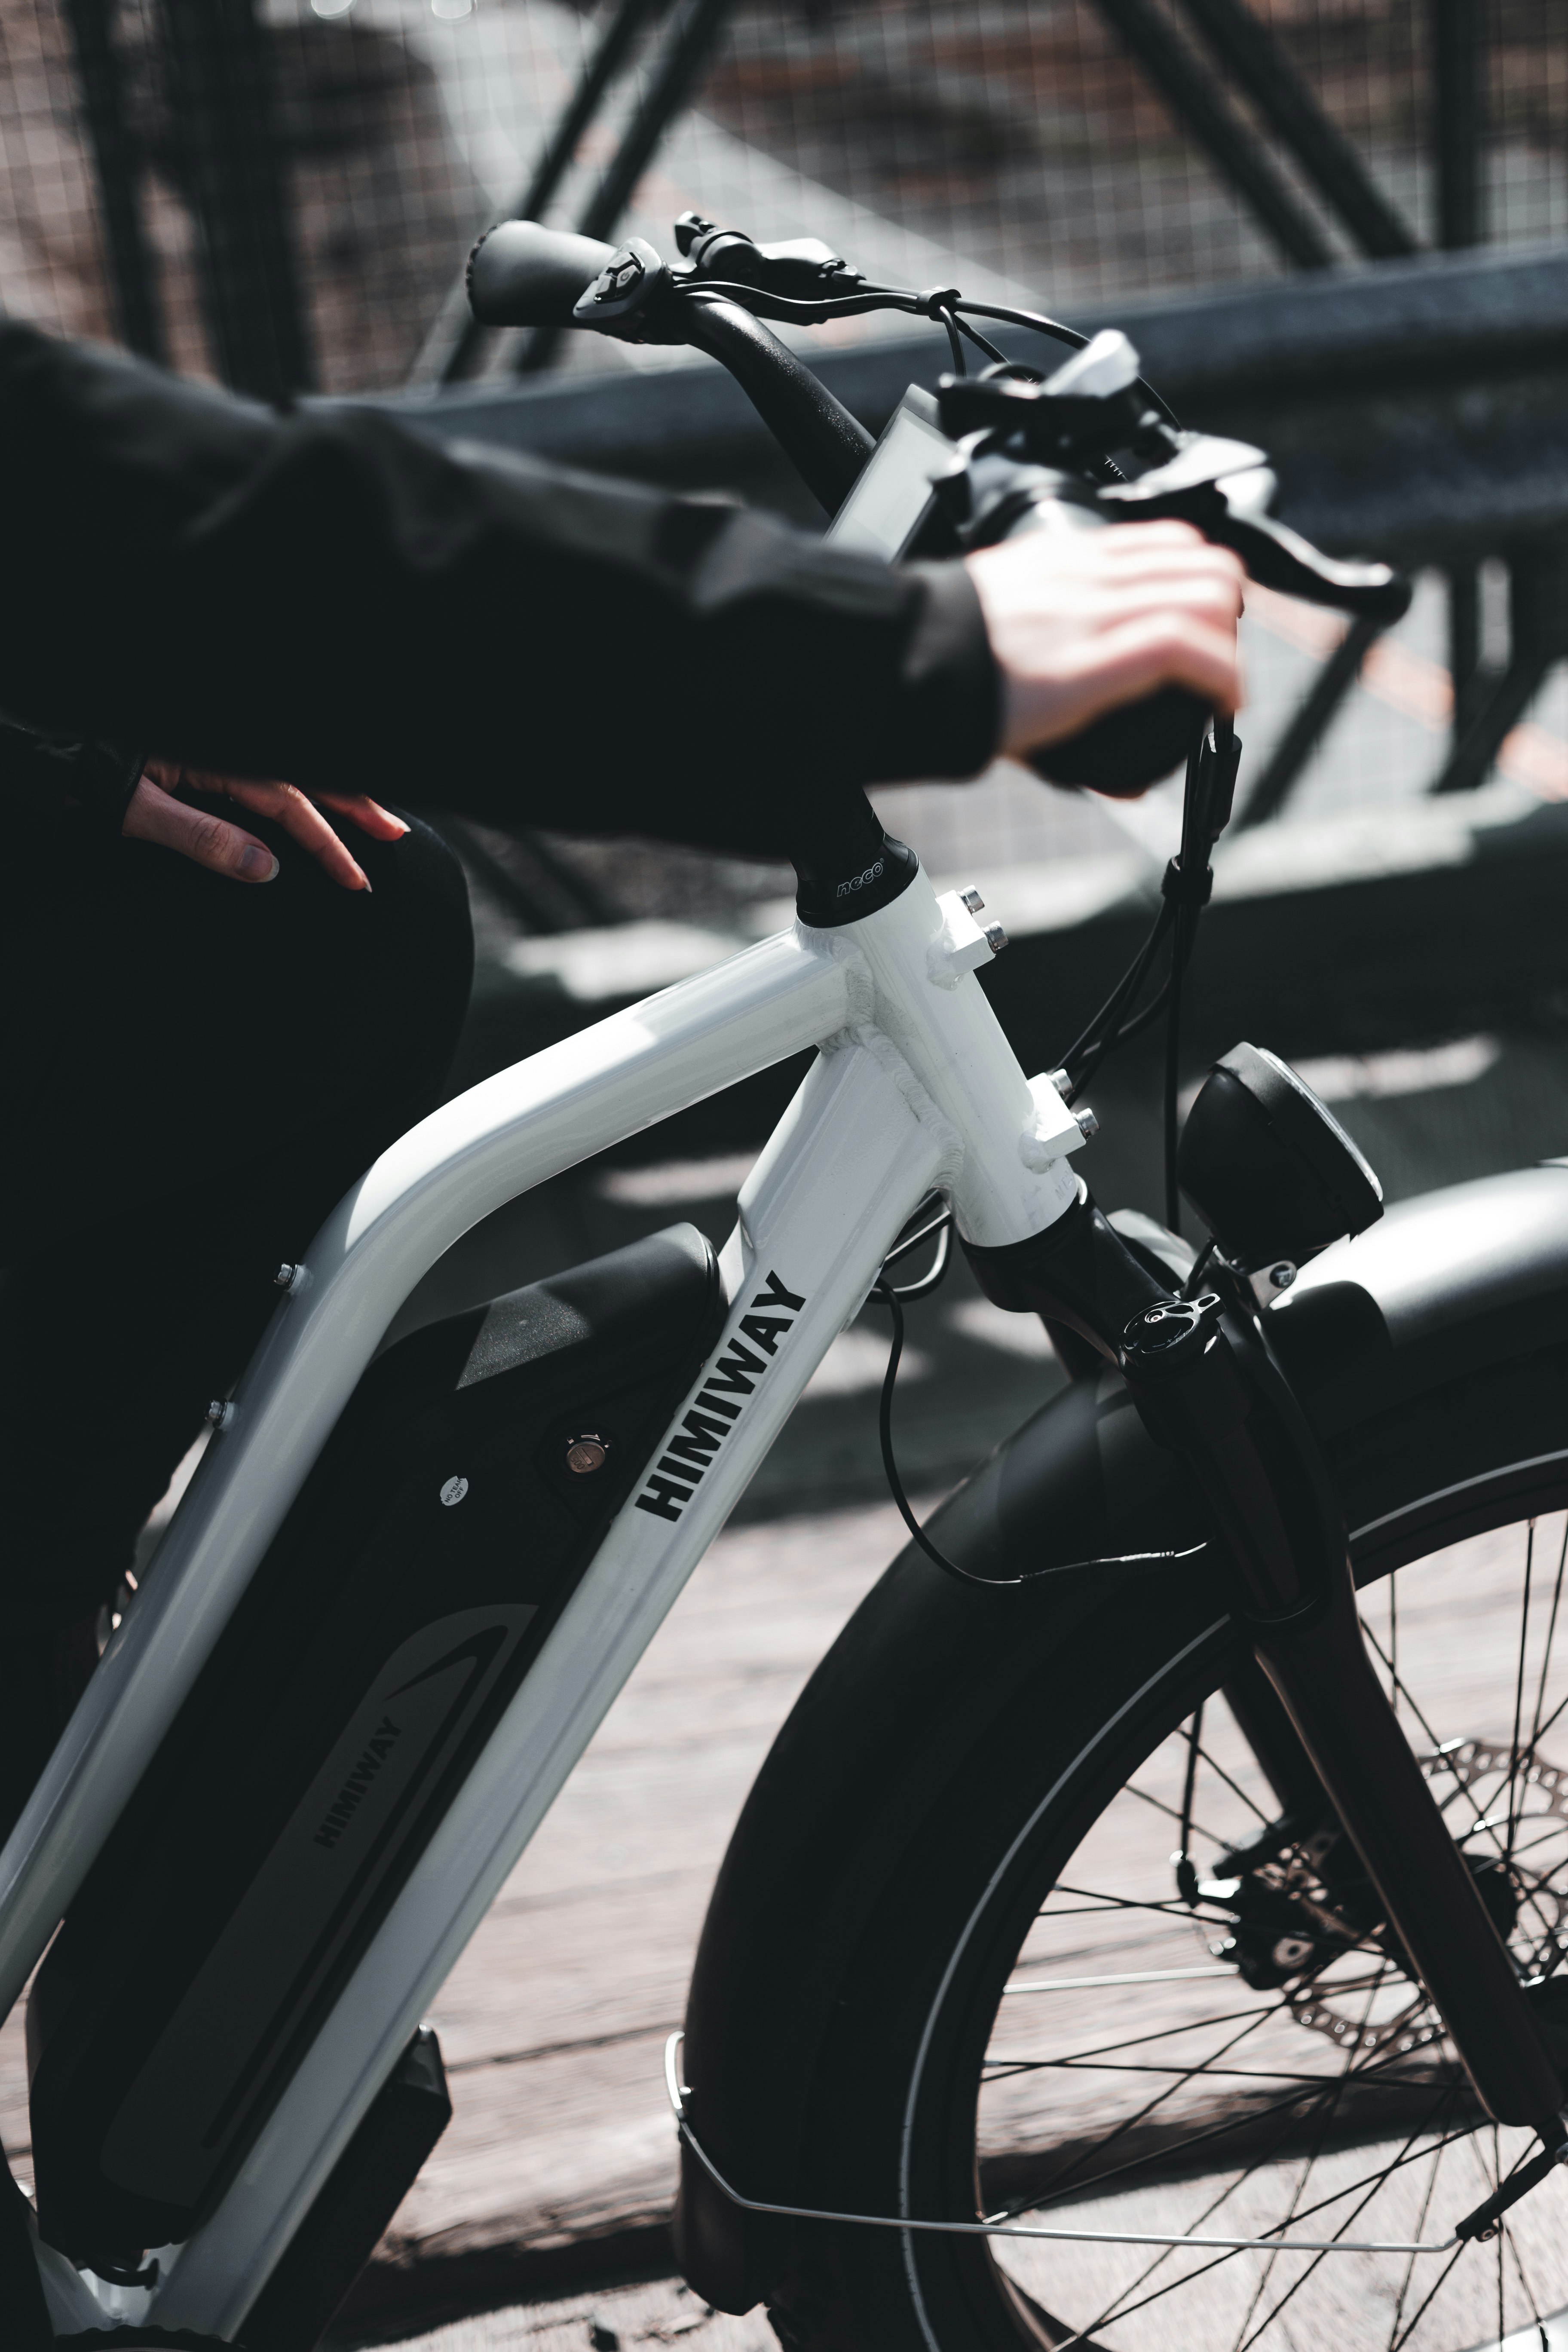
(895, 2099)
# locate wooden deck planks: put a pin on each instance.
(552, 2024)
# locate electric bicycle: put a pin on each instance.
(1140, 1932)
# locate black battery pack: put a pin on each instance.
(448, 1519)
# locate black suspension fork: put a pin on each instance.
(1209, 1391)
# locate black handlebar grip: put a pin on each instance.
(522, 275)
(1128, 749)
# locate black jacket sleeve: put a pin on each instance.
(42, 773)
(324, 596)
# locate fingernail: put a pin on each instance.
(259, 865)
(365, 885)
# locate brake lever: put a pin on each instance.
(1278, 557)
(1191, 488)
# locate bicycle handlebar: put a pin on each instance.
(1030, 452)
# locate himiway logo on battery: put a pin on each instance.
(717, 1406)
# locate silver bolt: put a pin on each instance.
(1087, 1123)
(972, 901)
(995, 938)
(1282, 1276)
(286, 1276)
(1062, 1083)
(219, 1414)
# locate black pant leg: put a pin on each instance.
(219, 1066)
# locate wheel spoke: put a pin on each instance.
(1184, 1821)
(1166, 2032)
(1110, 2066)
(1118, 2307)
(1419, 2231)
(1290, 2101)
(1230, 2254)
(1114, 2310)
(1427, 2301)
(1219, 1770)
(1480, 1822)
(1312, 2267)
(1329, 2109)
(1519, 1717)
(1248, 2135)
(1189, 1783)
(1101, 1904)
(1550, 1635)
(1129, 2123)
(1497, 2152)
(1511, 2241)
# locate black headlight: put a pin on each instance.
(1267, 1167)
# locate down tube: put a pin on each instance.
(485, 1148)
(848, 1162)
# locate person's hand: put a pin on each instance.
(1083, 621)
(210, 840)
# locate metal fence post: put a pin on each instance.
(1244, 46)
(1457, 29)
(685, 56)
(116, 164)
(223, 103)
(466, 348)
(1538, 630)
(1191, 92)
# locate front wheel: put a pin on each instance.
(1049, 2017)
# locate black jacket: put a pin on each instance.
(325, 596)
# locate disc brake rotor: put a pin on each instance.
(1541, 1789)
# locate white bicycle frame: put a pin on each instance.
(914, 1088)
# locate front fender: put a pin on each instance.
(1441, 1285)
(917, 1678)
(1453, 1280)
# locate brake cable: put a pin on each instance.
(895, 1297)
(793, 309)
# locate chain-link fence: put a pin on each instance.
(281, 195)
